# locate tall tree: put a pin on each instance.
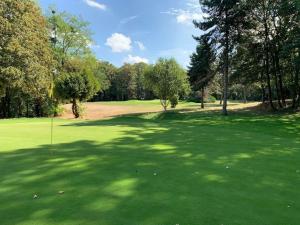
(26, 62)
(223, 24)
(73, 35)
(201, 66)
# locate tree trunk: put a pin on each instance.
(263, 88)
(164, 104)
(7, 104)
(276, 81)
(281, 89)
(75, 109)
(297, 86)
(267, 65)
(226, 69)
(202, 98)
(245, 94)
(19, 107)
(221, 99)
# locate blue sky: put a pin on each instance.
(137, 30)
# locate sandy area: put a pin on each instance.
(99, 111)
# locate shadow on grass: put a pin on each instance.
(172, 168)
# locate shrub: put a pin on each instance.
(210, 99)
(174, 101)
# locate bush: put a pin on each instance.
(174, 101)
(59, 110)
(210, 99)
(81, 109)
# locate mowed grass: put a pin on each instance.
(151, 104)
(193, 168)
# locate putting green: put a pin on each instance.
(156, 169)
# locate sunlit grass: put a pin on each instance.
(172, 168)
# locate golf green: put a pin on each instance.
(173, 168)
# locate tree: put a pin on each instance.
(77, 83)
(267, 52)
(126, 82)
(167, 79)
(26, 60)
(73, 36)
(223, 24)
(140, 69)
(105, 74)
(200, 70)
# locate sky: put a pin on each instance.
(131, 31)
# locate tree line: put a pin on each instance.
(250, 49)
(46, 60)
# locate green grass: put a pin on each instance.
(240, 170)
(149, 104)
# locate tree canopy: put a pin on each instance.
(26, 59)
(167, 79)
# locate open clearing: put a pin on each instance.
(100, 110)
(186, 167)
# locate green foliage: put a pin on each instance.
(174, 101)
(126, 82)
(26, 60)
(78, 83)
(223, 25)
(201, 71)
(58, 110)
(210, 99)
(167, 79)
(73, 35)
(141, 91)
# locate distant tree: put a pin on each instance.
(76, 83)
(167, 79)
(140, 69)
(26, 60)
(201, 71)
(105, 74)
(126, 82)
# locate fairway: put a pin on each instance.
(187, 168)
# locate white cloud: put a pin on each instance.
(141, 45)
(135, 59)
(128, 19)
(94, 4)
(187, 15)
(119, 42)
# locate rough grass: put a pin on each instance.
(193, 168)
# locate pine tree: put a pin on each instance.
(223, 24)
(200, 70)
